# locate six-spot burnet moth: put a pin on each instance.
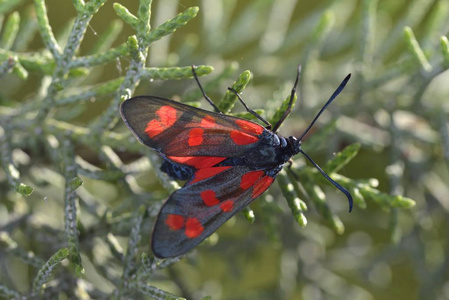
(228, 162)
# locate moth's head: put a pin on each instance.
(295, 145)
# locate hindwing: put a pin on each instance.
(195, 211)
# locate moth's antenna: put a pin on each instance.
(334, 95)
(336, 184)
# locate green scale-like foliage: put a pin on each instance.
(79, 195)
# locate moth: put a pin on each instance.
(227, 162)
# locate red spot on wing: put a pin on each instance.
(207, 122)
(154, 127)
(195, 136)
(250, 178)
(209, 198)
(207, 172)
(261, 186)
(249, 127)
(248, 133)
(193, 228)
(198, 162)
(241, 138)
(227, 205)
(166, 117)
(175, 222)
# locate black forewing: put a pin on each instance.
(139, 111)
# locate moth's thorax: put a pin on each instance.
(272, 150)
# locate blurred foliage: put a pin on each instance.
(78, 194)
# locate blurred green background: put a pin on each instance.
(395, 106)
